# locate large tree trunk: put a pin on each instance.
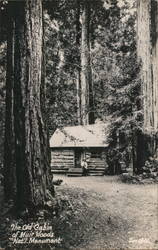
(154, 39)
(32, 157)
(78, 69)
(9, 147)
(87, 103)
(147, 52)
(144, 53)
(147, 45)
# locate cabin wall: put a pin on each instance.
(62, 158)
(96, 158)
(65, 158)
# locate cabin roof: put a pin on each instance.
(95, 135)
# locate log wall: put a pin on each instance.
(96, 162)
(62, 158)
(65, 158)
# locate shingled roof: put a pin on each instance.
(95, 135)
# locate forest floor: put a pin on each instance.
(102, 213)
(109, 214)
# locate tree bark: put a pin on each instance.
(144, 54)
(154, 40)
(87, 103)
(147, 30)
(78, 70)
(9, 146)
(32, 158)
(148, 53)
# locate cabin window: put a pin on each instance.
(95, 153)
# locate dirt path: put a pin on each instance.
(128, 216)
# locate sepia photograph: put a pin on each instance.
(78, 124)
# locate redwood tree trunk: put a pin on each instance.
(147, 31)
(9, 147)
(32, 157)
(87, 104)
(148, 53)
(144, 53)
(78, 69)
(154, 40)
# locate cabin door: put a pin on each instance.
(78, 157)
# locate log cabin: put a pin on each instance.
(70, 145)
